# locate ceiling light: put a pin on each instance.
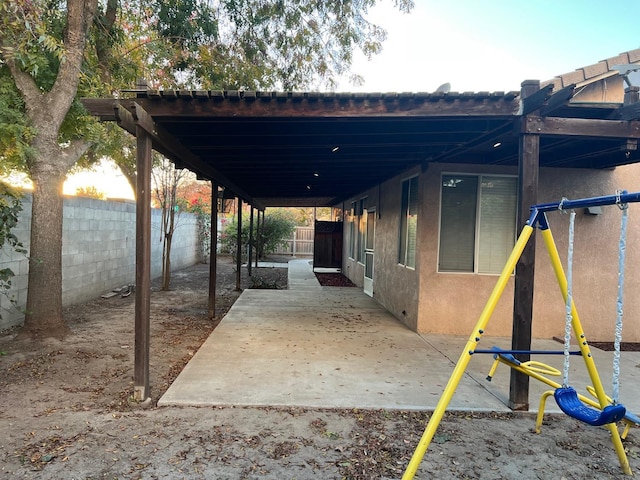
(316, 174)
(335, 149)
(308, 187)
(497, 144)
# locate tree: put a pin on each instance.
(194, 196)
(48, 160)
(166, 180)
(258, 44)
(53, 52)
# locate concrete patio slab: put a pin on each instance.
(328, 347)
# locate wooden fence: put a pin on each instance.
(300, 244)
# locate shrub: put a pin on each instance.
(278, 227)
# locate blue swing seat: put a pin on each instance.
(568, 401)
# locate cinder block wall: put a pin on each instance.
(98, 251)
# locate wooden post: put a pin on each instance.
(631, 95)
(239, 248)
(250, 242)
(143, 264)
(213, 250)
(528, 166)
(258, 236)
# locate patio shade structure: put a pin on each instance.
(319, 149)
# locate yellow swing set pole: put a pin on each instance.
(585, 350)
(465, 356)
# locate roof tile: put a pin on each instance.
(634, 55)
(618, 60)
(596, 69)
(556, 81)
(572, 77)
(591, 71)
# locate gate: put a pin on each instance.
(327, 245)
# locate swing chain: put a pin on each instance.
(568, 327)
(621, 206)
(561, 205)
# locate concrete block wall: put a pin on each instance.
(19, 264)
(98, 251)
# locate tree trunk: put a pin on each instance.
(166, 256)
(44, 298)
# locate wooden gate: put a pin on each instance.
(327, 245)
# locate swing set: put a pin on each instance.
(600, 410)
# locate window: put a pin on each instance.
(362, 229)
(352, 231)
(408, 223)
(477, 222)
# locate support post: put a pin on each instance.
(143, 264)
(631, 95)
(213, 250)
(239, 248)
(258, 237)
(250, 242)
(528, 166)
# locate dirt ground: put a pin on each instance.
(66, 412)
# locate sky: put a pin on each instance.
(493, 45)
(475, 45)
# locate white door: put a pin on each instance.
(368, 252)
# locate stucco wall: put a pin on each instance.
(450, 303)
(595, 266)
(98, 251)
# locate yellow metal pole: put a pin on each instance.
(465, 356)
(584, 348)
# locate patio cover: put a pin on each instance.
(319, 149)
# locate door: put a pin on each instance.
(368, 252)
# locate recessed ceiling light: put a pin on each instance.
(308, 187)
(497, 144)
(316, 174)
(335, 149)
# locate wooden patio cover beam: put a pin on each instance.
(581, 127)
(171, 147)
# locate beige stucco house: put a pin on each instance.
(430, 242)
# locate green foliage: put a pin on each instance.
(15, 134)
(305, 215)
(261, 45)
(32, 36)
(187, 23)
(10, 208)
(279, 225)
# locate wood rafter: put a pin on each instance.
(172, 148)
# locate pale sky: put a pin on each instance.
(493, 45)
